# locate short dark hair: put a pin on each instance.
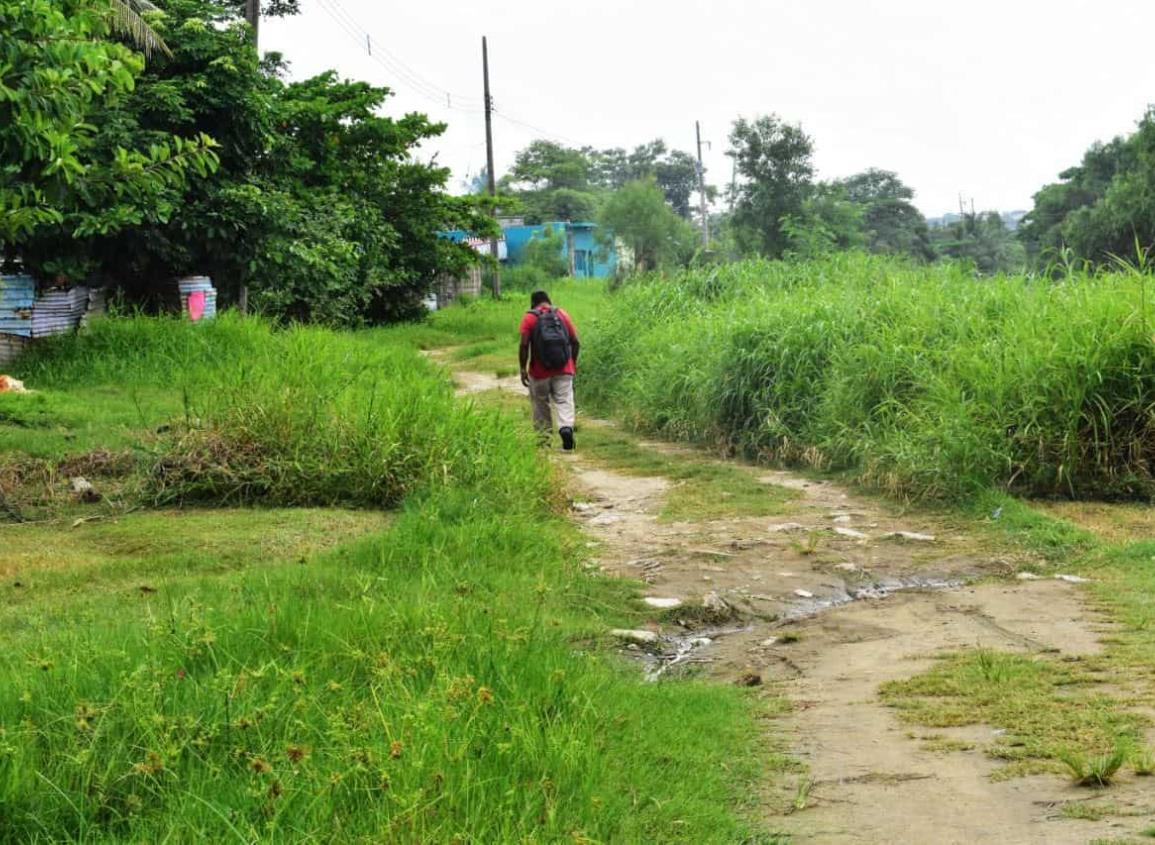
(537, 298)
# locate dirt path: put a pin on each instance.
(824, 604)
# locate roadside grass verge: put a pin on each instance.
(442, 678)
(924, 382)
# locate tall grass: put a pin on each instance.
(923, 380)
(248, 414)
(440, 681)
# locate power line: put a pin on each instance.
(376, 50)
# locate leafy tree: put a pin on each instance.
(61, 185)
(552, 182)
(891, 223)
(982, 239)
(637, 215)
(1056, 216)
(828, 222)
(773, 163)
(318, 206)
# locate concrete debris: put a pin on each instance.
(849, 532)
(786, 528)
(84, 490)
(804, 594)
(716, 604)
(1073, 579)
(641, 637)
(913, 536)
(661, 603)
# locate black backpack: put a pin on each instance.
(550, 340)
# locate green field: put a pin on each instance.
(412, 652)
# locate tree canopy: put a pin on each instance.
(207, 161)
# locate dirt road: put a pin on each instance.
(824, 603)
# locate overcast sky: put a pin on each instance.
(985, 99)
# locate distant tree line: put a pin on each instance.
(774, 206)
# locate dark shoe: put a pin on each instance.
(566, 438)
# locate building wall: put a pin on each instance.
(591, 259)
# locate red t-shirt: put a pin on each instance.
(537, 370)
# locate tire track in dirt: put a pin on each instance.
(824, 604)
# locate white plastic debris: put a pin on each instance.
(849, 532)
(913, 536)
(642, 637)
(769, 642)
(662, 603)
(84, 490)
(842, 518)
(1073, 579)
(804, 594)
(1029, 576)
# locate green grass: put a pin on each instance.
(923, 381)
(436, 675)
(1051, 710)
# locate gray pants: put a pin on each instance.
(559, 391)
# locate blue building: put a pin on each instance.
(590, 258)
(585, 256)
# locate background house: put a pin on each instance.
(585, 256)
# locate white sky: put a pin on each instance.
(988, 98)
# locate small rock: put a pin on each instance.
(1029, 576)
(1073, 579)
(700, 642)
(606, 519)
(582, 507)
(749, 679)
(83, 490)
(849, 532)
(769, 642)
(804, 594)
(846, 567)
(786, 528)
(716, 605)
(643, 637)
(909, 535)
(661, 603)
(842, 518)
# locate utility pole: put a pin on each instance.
(489, 165)
(702, 190)
(253, 16)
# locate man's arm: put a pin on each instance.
(523, 360)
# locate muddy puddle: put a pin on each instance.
(692, 645)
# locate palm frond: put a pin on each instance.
(128, 21)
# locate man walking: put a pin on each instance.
(548, 355)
